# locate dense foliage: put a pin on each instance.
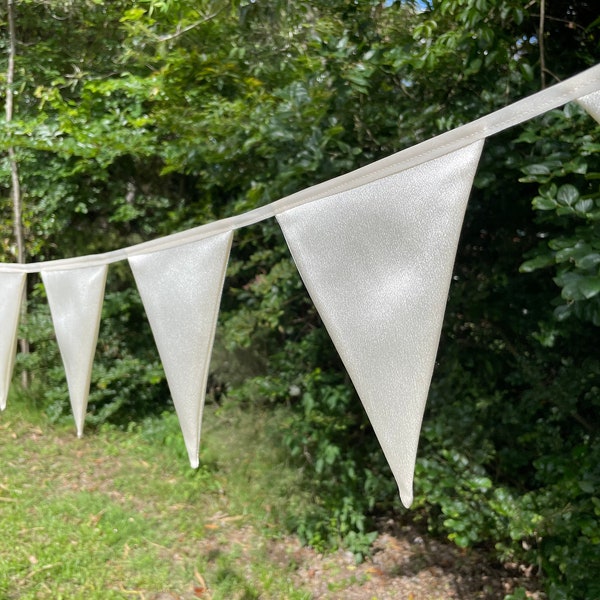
(158, 115)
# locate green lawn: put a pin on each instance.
(122, 515)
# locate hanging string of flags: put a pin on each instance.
(375, 249)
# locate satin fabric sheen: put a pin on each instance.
(377, 262)
(181, 291)
(591, 103)
(75, 297)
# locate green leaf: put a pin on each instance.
(133, 14)
(573, 253)
(589, 261)
(538, 169)
(563, 312)
(577, 165)
(571, 110)
(527, 71)
(481, 483)
(587, 486)
(539, 262)
(589, 286)
(569, 282)
(564, 210)
(543, 203)
(567, 194)
(528, 137)
(548, 190)
(474, 66)
(584, 206)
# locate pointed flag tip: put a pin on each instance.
(194, 462)
(406, 498)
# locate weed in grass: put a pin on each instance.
(346, 583)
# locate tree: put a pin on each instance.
(14, 168)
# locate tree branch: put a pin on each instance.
(541, 43)
(172, 36)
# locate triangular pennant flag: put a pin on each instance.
(75, 297)
(12, 286)
(181, 290)
(377, 262)
(591, 103)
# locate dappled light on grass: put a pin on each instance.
(121, 515)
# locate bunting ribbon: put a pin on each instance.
(375, 249)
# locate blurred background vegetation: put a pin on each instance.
(136, 119)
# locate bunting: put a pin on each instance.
(375, 249)
(75, 298)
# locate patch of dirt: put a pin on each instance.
(404, 566)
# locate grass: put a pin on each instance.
(121, 514)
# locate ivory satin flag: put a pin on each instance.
(12, 286)
(591, 103)
(75, 297)
(377, 262)
(181, 290)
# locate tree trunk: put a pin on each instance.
(14, 169)
(541, 34)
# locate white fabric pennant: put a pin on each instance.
(181, 291)
(75, 297)
(12, 286)
(377, 261)
(591, 104)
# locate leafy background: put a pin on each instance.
(159, 115)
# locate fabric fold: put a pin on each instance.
(377, 262)
(75, 297)
(181, 291)
(12, 286)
